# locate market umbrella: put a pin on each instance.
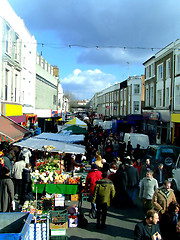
(76, 121)
(76, 130)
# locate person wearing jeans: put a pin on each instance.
(104, 192)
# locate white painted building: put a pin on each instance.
(120, 99)
(17, 63)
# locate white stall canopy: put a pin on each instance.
(60, 147)
(61, 137)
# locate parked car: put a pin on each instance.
(166, 154)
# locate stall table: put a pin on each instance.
(56, 188)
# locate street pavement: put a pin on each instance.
(120, 223)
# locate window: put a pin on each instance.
(121, 95)
(125, 95)
(136, 88)
(178, 64)
(152, 97)
(23, 95)
(147, 96)
(117, 98)
(124, 110)
(150, 71)
(153, 69)
(160, 72)
(8, 39)
(136, 106)
(42, 62)
(167, 97)
(147, 72)
(168, 68)
(54, 99)
(16, 47)
(6, 85)
(178, 95)
(159, 98)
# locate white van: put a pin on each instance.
(97, 121)
(107, 125)
(137, 138)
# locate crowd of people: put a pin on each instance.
(120, 168)
(15, 179)
(117, 176)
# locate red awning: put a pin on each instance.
(18, 119)
(10, 131)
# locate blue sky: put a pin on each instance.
(96, 43)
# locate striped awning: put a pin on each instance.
(5, 138)
(10, 131)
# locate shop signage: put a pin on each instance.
(108, 107)
(154, 116)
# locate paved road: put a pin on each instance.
(120, 224)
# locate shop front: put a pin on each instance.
(175, 119)
(157, 125)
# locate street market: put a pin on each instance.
(58, 188)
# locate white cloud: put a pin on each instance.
(89, 81)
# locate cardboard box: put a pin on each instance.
(74, 197)
(58, 225)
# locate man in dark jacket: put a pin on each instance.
(103, 193)
(6, 191)
(132, 182)
(26, 184)
(148, 229)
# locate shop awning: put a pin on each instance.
(18, 119)
(10, 131)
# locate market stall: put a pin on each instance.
(73, 138)
(35, 143)
(51, 183)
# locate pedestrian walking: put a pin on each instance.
(162, 197)
(17, 175)
(133, 181)
(147, 166)
(147, 189)
(169, 222)
(7, 203)
(120, 184)
(148, 229)
(93, 176)
(104, 192)
(160, 174)
(26, 184)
